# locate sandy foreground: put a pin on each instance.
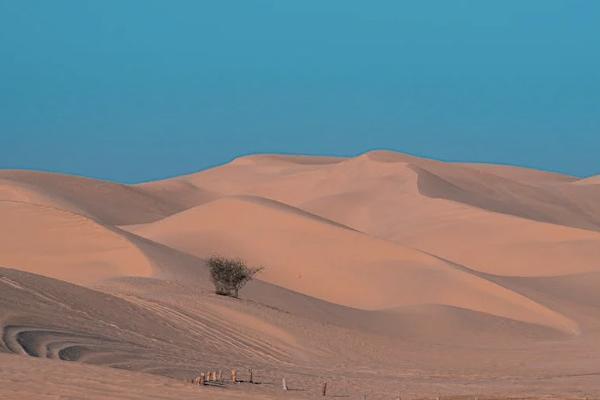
(41, 379)
(385, 275)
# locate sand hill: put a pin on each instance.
(384, 273)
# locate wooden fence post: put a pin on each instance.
(284, 384)
(234, 376)
(251, 375)
(220, 376)
(324, 389)
(199, 380)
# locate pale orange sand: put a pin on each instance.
(384, 273)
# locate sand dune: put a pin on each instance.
(485, 241)
(541, 196)
(158, 335)
(65, 245)
(171, 329)
(108, 202)
(592, 180)
(334, 263)
(131, 328)
(389, 195)
(384, 272)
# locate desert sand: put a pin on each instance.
(384, 275)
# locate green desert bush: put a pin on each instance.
(229, 275)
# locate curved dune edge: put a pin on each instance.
(144, 332)
(163, 338)
(289, 159)
(107, 202)
(65, 245)
(526, 193)
(495, 219)
(329, 262)
(486, 280)
(486, 241)
(592, 180)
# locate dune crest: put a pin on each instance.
(65, 245)
(333, 263)
(381, 270)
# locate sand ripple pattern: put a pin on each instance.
(58, 344)
(217, 334)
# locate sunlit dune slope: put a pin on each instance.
(491, 218)
(335, 263)
(108, 202)
(65, 245)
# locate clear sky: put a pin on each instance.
(137, 90)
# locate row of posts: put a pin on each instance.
(206, 378)
(214, 377)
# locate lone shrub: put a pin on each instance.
(230, 275)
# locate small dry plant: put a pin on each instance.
(229, 275)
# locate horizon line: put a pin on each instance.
(292, 154)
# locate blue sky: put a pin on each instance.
(137, 90)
